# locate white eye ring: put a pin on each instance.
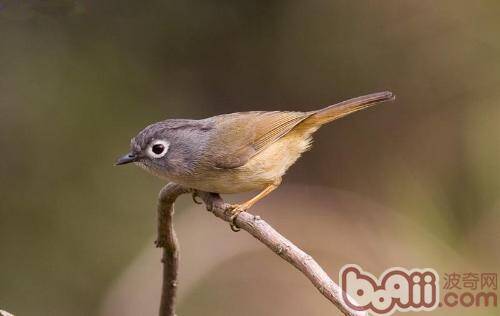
(158, 149)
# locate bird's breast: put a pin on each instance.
(260, 171)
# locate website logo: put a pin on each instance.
(397, 289)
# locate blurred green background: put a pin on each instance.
(78, 79)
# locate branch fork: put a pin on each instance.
(254, 225)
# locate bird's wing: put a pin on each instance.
(240, 136)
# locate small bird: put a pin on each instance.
(236, 152)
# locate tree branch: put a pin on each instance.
(167, 239)
(255, 226)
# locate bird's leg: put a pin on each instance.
(238, 208)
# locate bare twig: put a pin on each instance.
(254, 225)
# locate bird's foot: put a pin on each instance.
(234, 211)
(195, 197)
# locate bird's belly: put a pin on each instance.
(223, 181)
(259, 172)
(228, 186)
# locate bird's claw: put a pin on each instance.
(195, 198)
(234, 211)
(233, 225)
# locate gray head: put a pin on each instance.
(168, 148)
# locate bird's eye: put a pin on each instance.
(158, 149)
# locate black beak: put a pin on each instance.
(128, 158)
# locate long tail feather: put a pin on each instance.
(344, 108)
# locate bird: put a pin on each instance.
(236, 152)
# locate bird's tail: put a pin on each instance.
(333, 112)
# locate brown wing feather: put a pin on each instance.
(241, 136)
(248, 133)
